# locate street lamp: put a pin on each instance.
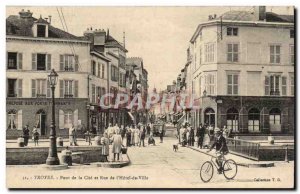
(88, 116)
(52, 157)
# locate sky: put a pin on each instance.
(159, 35)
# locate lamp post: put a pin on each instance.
(52, 156)
(88, 116)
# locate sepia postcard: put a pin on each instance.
(150, 97)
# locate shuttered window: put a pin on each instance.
(20, 86)
(33, 88)
(34, 61)
(20, 60)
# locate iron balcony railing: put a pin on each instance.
(243, 148)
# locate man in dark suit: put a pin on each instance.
(221, 148)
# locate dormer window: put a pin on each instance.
(41, 30)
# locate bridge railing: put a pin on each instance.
(243, 148)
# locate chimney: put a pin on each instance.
(99, 37)
(260, 13)
(50, 19)
(23, 14)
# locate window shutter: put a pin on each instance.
(267, 85)
(76, 62)
(20, 120)
(93, 93)
(48, 90)
(20, 85)
(34, 61)
(20, 60)
(103, 71)
(283, 84)
(75, 122)
(48, 61)
(61, 88)
(33, 87)
(61, 119)
(61, 62)
(98, 70)
(76, 89)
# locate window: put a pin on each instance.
(93, 68)
(232, 31)
(232, 119)
(275, 116)
(232, 84)
(209, 116)
(253, 120)
(103, 68)
(68, 62)
(210, 84)
(41, 31)
(68, 119)
(209, 52)
(275, 54)
(283, 85)
(41, 62)
(232, 52)
(292, 55)
(68, 88)
(292, 33)
(12, 88)
(99, 69)
(12, 119)
(114, 73)
(292, 85)
(11, 60)
(41, 88)
(272, 85)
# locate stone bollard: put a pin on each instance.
(97, 140)
(66, 157)
(20, 142)
(271, 139)
(60, 141)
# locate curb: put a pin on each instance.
(112, 164)
(249, 165)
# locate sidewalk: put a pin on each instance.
(239, 160)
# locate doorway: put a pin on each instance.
(41, 122)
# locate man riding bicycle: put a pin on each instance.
(221, 148)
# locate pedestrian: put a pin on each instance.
(201, 136)
(136, 136)
(182, 131)
(148, 129)
(161, 134)
(225, 132)
(110, 130)
(132, 134)
(151, 140)
(188, 132)
(123, 131)
(26, 134)
(105, 142)
(211, 133)
(128, 137)
(142, 135)
(116, 144)
(35, 136)
(88, 137)
(192, 136)
(72, 136)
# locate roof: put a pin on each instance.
(15, 25)
(137, 61)
(111, 41)
(249, 16)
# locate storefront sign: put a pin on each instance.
(35, 103)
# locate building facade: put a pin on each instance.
(241, 69)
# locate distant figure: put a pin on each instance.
(192, 136)
(211, 133)
(128, 137)
(35, 136)
(136, 136)
(116, 144)
(26, 135)
(105, 142)
(88, 137)
(142, 136)
(161, 134)
(200, 134)
(225, 132)
(151, 140)
(148, 129)
(182, 132)
(72, 136)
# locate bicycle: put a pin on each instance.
(229, 169)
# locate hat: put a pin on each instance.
(217, 130)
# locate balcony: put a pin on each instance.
(68, 95)
(11, 95)
(41, 95)
(69, 69)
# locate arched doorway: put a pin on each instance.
(40, 118)
(209, 116)
(254, 120)
(232, 118)
(275, 120)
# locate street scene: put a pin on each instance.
(150, 97)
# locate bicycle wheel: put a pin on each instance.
(206, 171)
(229, 169)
